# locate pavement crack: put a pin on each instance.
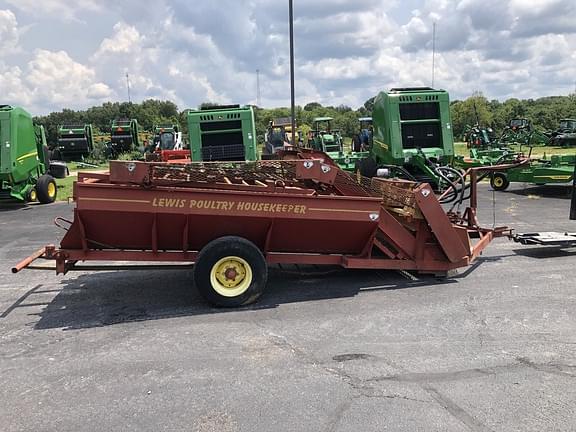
(456, 411)
(360, 386)
(337, 418)
(482, 335)
(551, 368)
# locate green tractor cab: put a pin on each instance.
(324, 138)
(565, 135)
(24, 158)
(329, 141)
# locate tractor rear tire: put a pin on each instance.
(499, 181)
(230, 272)
(46, 189)
(366, 167)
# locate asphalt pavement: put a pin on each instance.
(491, 349)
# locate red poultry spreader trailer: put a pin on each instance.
(233, 219)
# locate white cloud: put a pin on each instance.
(126, 40)
(12, 87)
(191, 52)
(57, 80)
(57, 9)
(9, 35)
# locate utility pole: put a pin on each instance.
(292, 99)
(128, 87)
(573, 200)
(258, 96)
(433, 50)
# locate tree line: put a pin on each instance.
(545, 114)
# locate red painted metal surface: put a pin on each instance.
(300, 210)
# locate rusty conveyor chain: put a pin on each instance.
(225, 172)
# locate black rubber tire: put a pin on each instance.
(227, 247)
(499, 181)
(56, 155)
(356, 143)
(47, 156)
(366, 167)
(43, 189)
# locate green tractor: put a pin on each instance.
(520, 131)
(565, 135)
(223, 133)
(485, 149)
(325, 139)
(24, 159)
(123, 137)
(412, 137)
(75, 142)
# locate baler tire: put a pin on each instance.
(499, 181)
(46, 189)
(249, 261)
(56, 155)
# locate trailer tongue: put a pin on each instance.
(232, 219)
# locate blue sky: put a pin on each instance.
(56, 54)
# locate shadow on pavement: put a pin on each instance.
(13, 206)
(548, 191)
(101, 299)
(543, 252)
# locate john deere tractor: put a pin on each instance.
(324, 138)
(565, 135)
(520, 131)
(24, 158)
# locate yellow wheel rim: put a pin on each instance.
(498, 181)
(231, 276)
(51, 190)
(358, 176)
(33, 195)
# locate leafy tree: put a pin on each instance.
(312, 106)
